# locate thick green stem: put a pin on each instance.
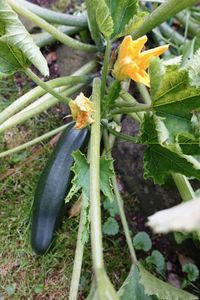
(60, 36)
(95, 205)
(105, 68)
(33, 142)
(45, 86)
(32, 95)
(144, 93)
(34, 109)
(126, 108)
(44, 38)
(173, 35)
(166, 10)
(192, 27)
(47, 100)
(120, 204)
(55, 17)
(78, 259)
(184, 187)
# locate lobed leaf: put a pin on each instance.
(122, 13)
(104, 19)
(132, 289)
(163, 290)
(17, 49)
(161, 158)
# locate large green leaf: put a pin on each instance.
(161, 158)
(131, 288)
(81, 178)
(114, 18)
(11, 59)
(93, 26)
(174, 95)
(103, 17)
(122, 12)
(17, 48)
(163, 290)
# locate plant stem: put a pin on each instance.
(105, 68)
(144, 93)
(36, 108)
(126, 108)
(95, 206)
(60, 36)
(33, 142)
(184, 187)
(173, 35)
(44, 38)
(45, 86)
(192, 27)
(125, 137)
(161, 14)
(33, 94)
(78, 259)
(120, 204)
(55, 17)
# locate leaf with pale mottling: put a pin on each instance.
(17, 49)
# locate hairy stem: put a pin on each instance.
(95, 206)
(60, 36)
(78, 259)
(34, 141)
(34, 109)
(120, 204)
(105, 68)
(161, 14)
(55, 17)
(38, 91)
(43, 39)
(184, 187)
(45, 86)
(126, 108)
(144, 93)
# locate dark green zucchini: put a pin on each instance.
(53, 186)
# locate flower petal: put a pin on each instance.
(146, 56)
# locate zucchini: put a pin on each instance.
(52, 188)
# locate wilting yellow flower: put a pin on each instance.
(132, 63)
(81, 109)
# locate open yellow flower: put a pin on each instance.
(81, 109)
(132, 63)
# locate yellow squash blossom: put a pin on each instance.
(81, 109)
(132, 63)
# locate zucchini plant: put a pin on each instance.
(168, 119)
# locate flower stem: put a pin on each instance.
(38, 91)
(144, 93)
(45, 86)
(34, 109)
(184, 187)
(33, 142)
(60, 36)
(120, 204)
(95, 206)
(105, 68)
(54, 16)
(78, 259)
